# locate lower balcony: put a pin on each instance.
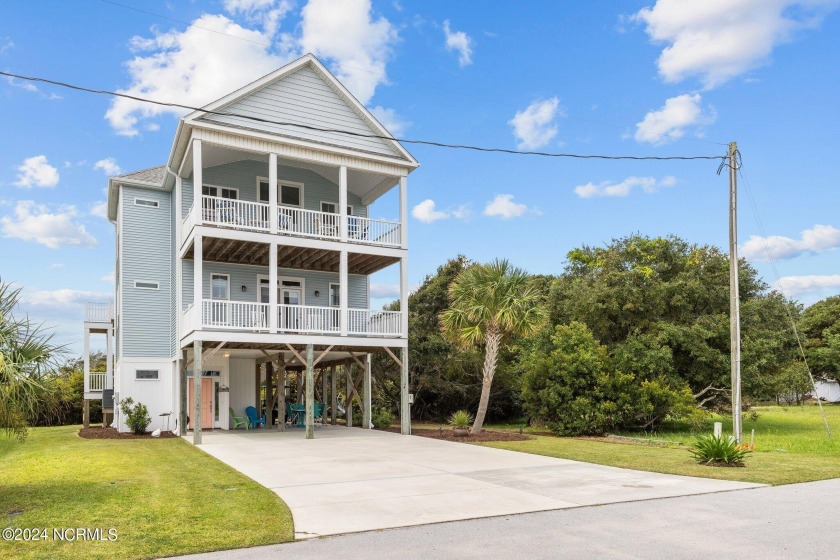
(294, 319)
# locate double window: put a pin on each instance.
(221, 192)
(335, 295)
(288, 193)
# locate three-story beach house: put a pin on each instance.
(243, 264)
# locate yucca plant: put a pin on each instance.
(460, 419)
(721, 450)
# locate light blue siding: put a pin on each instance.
(246, 275)
(242, 175)
(146, 256)
(304, 97)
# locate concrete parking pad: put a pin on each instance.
(349, 480)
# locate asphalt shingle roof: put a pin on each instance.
(151, 175)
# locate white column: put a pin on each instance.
(342, 292)
(342, 203)
(404, 212)
(366, 396)
(198, 280)
(404, 297)
(310, 393)
(198, 369)
(272, 285)
(272, 192)
(198, 181)
(87, 360)
(109, 361)
(405, 408)
(348, 406)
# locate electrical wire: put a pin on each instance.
(360, 134)
(772, 259)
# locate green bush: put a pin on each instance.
(721, 450)
(137, 416)
(382, 418)
(460, 419)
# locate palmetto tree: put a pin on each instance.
(26, 357)
(487, 303)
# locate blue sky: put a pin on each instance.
(666, 77)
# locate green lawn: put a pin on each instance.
(791, 445)
(163, 497)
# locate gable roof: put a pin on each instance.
(152, 175)
(151, 178)
(304, 92)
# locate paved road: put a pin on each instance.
(797, 522)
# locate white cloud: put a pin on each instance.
(815, 240)
(358, 45)
(26, 86)
(6, 43)
(108, 166)
(813, 285)
(100, 210)
(670, 122)
(389, 118)
(460, 42)
(63, 298)
(194, 67)
(462, 212)
(108, 278)
(535, 126)
(608, 188)
(427, 213)
(56, 265)
(716, 40)
(381, 291)
(503, 206)
(36, 172)
(34, 222)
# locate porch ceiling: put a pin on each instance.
(336, 355)
(248, 252)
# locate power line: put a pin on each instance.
(360, 134)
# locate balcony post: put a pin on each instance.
(366, 396)
(404, 212)
(198, 280)
(198, 182)
(342, 203)
(404, 297)
(272, 193)
(198, 371)
(109, 359)
(405, 407)
(272, 284)
(342, 292)
(310, 393)
(87, 360)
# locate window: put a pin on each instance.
(289, 193)
(146, 374)
(335, 295)
(223, 192)
(146, 285)
(146, 202)
(219, 286)
(332, 208)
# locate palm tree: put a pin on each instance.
(489, 303)
(27, 355)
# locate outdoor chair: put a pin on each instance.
(318, 409)
(253, 419)
(239, 420)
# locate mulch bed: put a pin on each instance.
(485, 435)
(97, 432)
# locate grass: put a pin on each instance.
(791, 446)
(163, 497)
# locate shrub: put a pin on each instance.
(136, 415)
(722, 450)
(460, 419)
(382, 418)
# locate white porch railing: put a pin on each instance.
(99, 312)
(234, 315)
(309, 223)
(374, 322)
(308, 319)
(374, 232)
(239, 214)
(96, 381)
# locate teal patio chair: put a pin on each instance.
(253, 419)
(239, 420)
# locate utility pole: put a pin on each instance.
(734, 302)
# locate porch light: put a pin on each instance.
(317, 293)
(227, 354)
(244, 288)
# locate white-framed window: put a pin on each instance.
(146, 285)
(332, 207)
(335, 295)
(220, 286)
(146, 202)
(147, 374)
(222, 192)
(289, 193)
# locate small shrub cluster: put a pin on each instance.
(718, 450)
(460, 419)
(136, 415)
(382, 418)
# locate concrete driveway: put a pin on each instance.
(349, 480)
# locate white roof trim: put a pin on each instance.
(326, 75)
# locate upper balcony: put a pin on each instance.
(299, 222)
(99, 312)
